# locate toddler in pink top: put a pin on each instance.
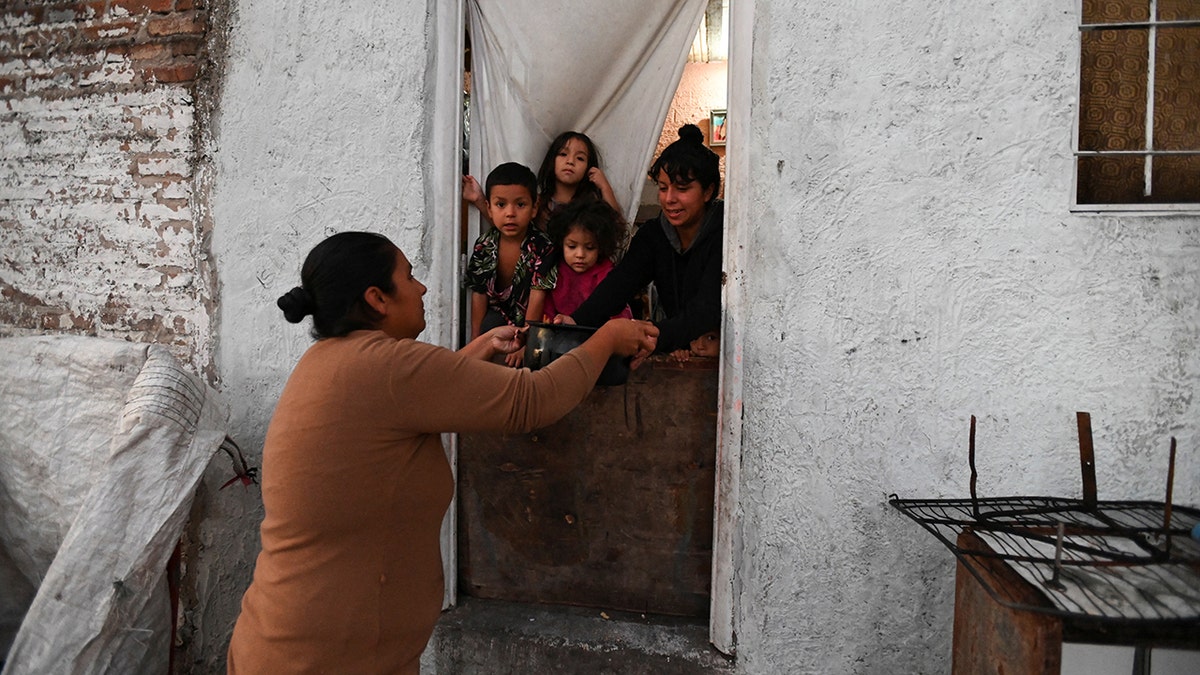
(585, 234)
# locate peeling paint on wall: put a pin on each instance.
(96, 213)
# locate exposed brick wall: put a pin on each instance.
(99, 232)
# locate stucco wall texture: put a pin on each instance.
(912, 261)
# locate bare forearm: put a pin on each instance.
(611, 199)
(479, 305)
(479, 348)
(537, 304)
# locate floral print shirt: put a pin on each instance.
(535, 270)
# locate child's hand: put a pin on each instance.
(681, 355)
(597, 177)
(471, 191)
(515, 359)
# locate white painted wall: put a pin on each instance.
(322, 128)
(911, 261)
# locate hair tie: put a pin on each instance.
(296, 304)
(692, 134)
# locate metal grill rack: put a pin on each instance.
(1104, 561)
(1114, 562)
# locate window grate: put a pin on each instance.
(1138, 136)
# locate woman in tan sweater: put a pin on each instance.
(355, 481)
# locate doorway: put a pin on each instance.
(722, 587)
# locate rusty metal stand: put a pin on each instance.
(993, 639)
(1033, 572)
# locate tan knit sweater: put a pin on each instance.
(355, 483)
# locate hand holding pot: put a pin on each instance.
(630, 338)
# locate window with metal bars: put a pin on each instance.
(1139, 105)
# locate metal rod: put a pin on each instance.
(974, 474)
(1136, 153)
(1058, 549)
(1148, 166)
(1183, 23)
(1141, 660)
(1087, 459)
(1167, 501)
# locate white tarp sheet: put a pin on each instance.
(607, 69)
(102, 446)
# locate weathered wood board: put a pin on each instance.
(611, 507)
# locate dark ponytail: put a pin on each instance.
(688, 159)
(335, 275)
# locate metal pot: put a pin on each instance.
(545, 342)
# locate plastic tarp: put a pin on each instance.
(102, 446)
(607, 69)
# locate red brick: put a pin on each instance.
(38, 42)
(29, 16)
(8, 46)
(184, 5)
(56, 81)
(90, 10)
(177, 24)
(82, 323)
(143, 6)
(117, 29)
(148, 51)
(185, 72)
(186, 46)
(63, 13)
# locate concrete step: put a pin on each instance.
(488, 636)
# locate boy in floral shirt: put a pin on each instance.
(512, 265)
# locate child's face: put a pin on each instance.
(571, 163)
(580, 249)
(708, 344)
(511, 209)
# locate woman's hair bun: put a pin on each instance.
(296, 304)
(691, 132)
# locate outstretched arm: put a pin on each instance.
(629, 276)
(700, 314)
(499, 340)
(435, 390)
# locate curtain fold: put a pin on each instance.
(606, 69)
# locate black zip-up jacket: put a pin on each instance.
(688, 283)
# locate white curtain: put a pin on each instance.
(607, 69)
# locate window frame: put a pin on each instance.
(1152, 24)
